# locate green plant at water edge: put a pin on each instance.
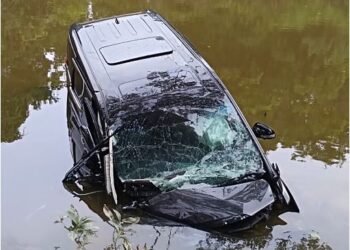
(80, 230)
(119, 224)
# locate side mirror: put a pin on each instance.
(263, 131)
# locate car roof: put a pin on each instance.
(121, 54)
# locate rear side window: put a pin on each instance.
(70, 56)
(77, 82)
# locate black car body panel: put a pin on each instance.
(150, 119)
(214, 207)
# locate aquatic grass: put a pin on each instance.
(119, 224)
(80, 230)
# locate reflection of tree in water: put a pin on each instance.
(262, 242)
(33, 49)
(306, 242)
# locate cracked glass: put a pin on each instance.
(178, 139)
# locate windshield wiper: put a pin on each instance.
(140, 188)
(173, 175)
(242, 178)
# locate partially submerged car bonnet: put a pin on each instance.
(176, 144)
(215, 207)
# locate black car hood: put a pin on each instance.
(214, 207)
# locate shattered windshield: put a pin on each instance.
(183, 139)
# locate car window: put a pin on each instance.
(99, 123)
(181, 146)
(77, 82)
(70, 56)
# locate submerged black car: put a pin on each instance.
(152, 124)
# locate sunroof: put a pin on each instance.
(135, 50)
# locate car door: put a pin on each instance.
(79, 132)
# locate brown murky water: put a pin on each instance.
(286, 64)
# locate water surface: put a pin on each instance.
(285, 63)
